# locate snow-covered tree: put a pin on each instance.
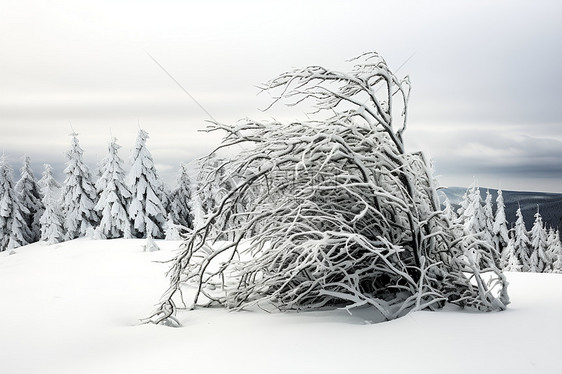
(114, 196)
(488, 213)
(31, 198)
(341, 214)
(180, 206)
(14, 231)
(146, 211)
(52, 227)
(538, 260)
(555, 252)
(510, 262)
(522, 244)
(448, 211)
(472, 216)
(78, 194)
(500, 231)
(49, 182)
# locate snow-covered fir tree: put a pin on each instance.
(500, 235)
(448, 211)
(510, 262)
(114, 196)
(538, 260)
(555, 251)
(552, 250)
(488, 213)
(78, 194)
(31, 198)
(522, 244)
(473, 218)
(14, 231)
(180, 206)
(173, 230)
(48, 182)
(52, 229)
(146, 210)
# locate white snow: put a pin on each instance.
(75, 307)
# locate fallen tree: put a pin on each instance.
(331, 211)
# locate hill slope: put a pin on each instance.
(75, 308)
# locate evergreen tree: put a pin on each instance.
(145, 210)
(488, 215)
(538, 260)
(180, 200)
(521, 244)
(448, 211)
(499, 230)
(14, 231)
(510, 262)
(48, 182)
(114, 196)
(31, 198)
(52, 230)
(78, 195)
(555, 248)
(473, 218)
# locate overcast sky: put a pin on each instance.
(486, 75)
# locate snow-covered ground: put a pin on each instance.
(75, 308)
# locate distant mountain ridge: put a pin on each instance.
(550, 204)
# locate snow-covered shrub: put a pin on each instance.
(340, 214)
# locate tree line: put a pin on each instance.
(136, 204)
(513, 247)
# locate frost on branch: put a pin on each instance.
(339, 214)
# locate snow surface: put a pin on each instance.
(75, 307)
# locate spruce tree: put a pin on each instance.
(114, 196)
(510, 262)
(556, 250)
(48, 182)
(146, 211)
(448, 211)
(500, 235)
(180, 206)
(31, 198)
(14, 231)
(52, 229)
(78, 195)
(538, 260)
(473, 217)
(521, 245)
(488, 218)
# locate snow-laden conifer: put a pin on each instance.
(48, 182)
(31, 198)
(114, 196)
(522, 244)
(448, 211)
(14, 231)
(180, 206)
(146, 211)
(510, 261)
(52, 229)
(499, 229)
(488, 222)
(555, 250)
(538, 260)
(78, 194)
